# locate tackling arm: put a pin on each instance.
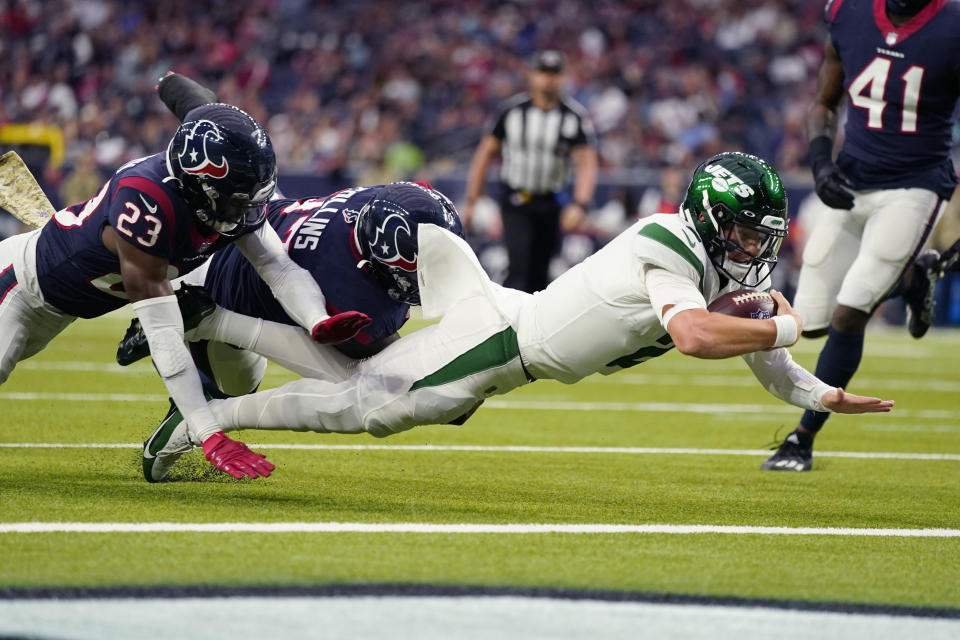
(145, 281)
(295, 289)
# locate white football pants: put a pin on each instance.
(27, 323)
(432, 376)
(855, 257)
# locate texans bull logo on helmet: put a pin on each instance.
(392, 240)
(194, 157)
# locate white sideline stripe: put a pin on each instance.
(426, 527)
(83, 397)
(510, 449)
(85, 365)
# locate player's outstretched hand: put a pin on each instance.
(234, 458)
(833, 188)
(840, 401)
(340, 327)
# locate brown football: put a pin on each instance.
(745, 304)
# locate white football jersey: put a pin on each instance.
(597, 317)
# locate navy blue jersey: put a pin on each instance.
(318, 235)
(902, 84)
(144, 205)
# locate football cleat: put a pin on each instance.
(164, 447)
(195, 305)
(920, 300)
(790, 456)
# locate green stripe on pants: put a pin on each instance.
(495, 351)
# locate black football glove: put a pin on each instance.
(831, 185)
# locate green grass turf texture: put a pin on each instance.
(90, 485)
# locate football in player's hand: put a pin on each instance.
(745, 304)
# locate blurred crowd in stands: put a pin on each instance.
(367, 91)
(375, 87)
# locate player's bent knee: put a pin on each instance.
(324, 407)
(425, 406)
(236, 371)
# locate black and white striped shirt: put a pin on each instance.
(536, 144)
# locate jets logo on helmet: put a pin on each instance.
(389, 240)
(724, 180)
(737, 205)
(194, 157)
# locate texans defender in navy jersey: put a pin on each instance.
(360, 244)
(898, 62)
(157, 218)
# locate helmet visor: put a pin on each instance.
(748, 243)
(238, 212)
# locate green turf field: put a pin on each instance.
(72, 394)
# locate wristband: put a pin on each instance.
(821, 151)
(787, 331)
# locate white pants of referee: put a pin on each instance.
(27, 323)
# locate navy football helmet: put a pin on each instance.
(225, 163)
(386, 234)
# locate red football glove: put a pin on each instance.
(234, 458)
(340, 327)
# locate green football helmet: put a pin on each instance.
(737, 204)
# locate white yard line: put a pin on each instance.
(82, 397)
(86, 365)
(427, 527)
(510, 449)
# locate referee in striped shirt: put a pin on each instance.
(539, 133)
